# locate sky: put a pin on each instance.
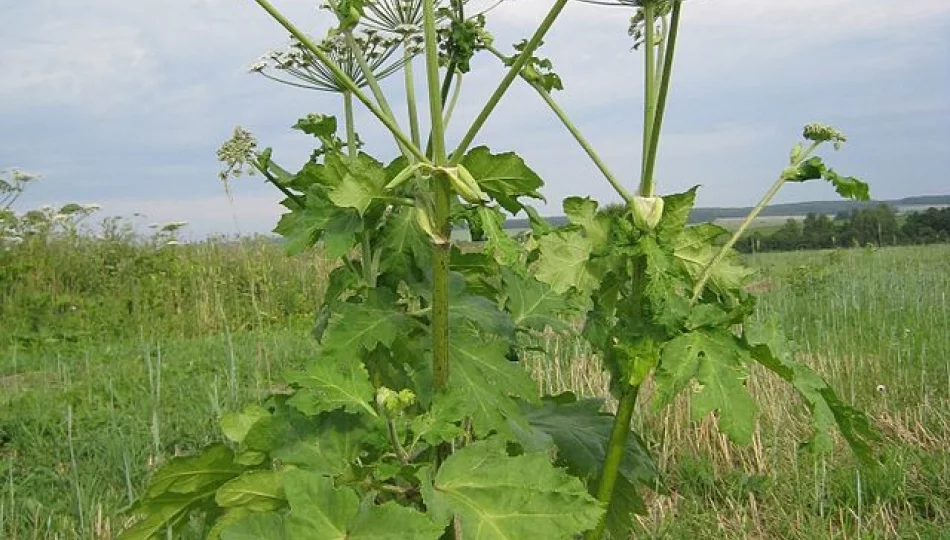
(124, 104)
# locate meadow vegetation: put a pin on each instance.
(120, 353)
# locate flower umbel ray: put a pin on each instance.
(297, 66)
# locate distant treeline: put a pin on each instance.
(875, 226)
(702, 215)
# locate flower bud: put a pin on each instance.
(647, 212)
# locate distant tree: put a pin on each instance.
(818, 232)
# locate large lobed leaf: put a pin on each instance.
(180, 486)
(498, 497)
(771, 349)
(717, 360)
(503, 176)
(318, 509)
(484, 380)
(532, 304)
(563, 261)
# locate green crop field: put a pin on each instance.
(117, 356)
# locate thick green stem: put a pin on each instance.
(613, 180)
(509, 78)
(442, 210)
(667, 67)
(615, 450)
(411, 95)
(350, 124)
(298, 200)
(384, 118)
(649, 93)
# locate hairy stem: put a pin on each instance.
(350, 124)
(298, 200)
(509, 78)
(667, 71)
(615, 450)
(443, 199)
(649, 93)
(411, 95)
(384, 118)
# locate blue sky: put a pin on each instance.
(124, 103)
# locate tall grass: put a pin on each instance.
(117, 355)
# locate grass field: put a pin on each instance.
(116, 357)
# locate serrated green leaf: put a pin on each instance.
(393, 522)
(317, 508)
(666, 294)
(318, 125)
(355, 193)
(498, 497)
(539, 225)
(502, 247)
(676, 209)
(362, 180)
(625, 504)
(161, 514)
(406, 246)
(580, 432)
(226, 519)
(482, 377)
(694, 250)
(268, 526)
(503, 176)
(236, 425)
(810, 169)
(583, 212)
(303, 227)
(332, 383)
(848, 187)
(321, 510)
(339, 233)
(717, 360)
(211, 468)
(364, 326)
(532, 304)
(563, 261)
(481, 312)
(326, 444)
(771, 349)
(260, 491)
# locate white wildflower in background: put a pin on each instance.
(881, 389)
(236, 153)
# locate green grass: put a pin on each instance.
(116, 357)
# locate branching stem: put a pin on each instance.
(305, 40)
(509, 78)
(724, 250)
(574, 131)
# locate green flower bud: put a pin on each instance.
(818, 132)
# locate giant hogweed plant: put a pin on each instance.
(413, 422)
